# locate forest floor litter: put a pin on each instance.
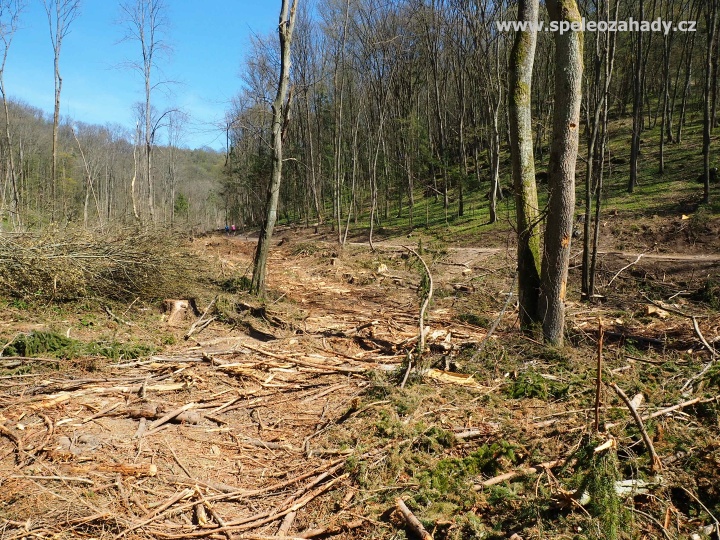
(312, 415)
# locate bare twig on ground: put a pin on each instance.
(332, 531)
(202, 323)
(56, 478)
(625, 268)
(177, 459)
(713, 357)
(116, 318)
(102, 412)
(412, 522)
(520, 472)
(717, 523)
(667, 410)
(696, 327)
(157, 512)
(656, 463)
(152, 428)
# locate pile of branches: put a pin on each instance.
(72, 264)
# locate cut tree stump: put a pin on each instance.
(176, 310)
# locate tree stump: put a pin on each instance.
(176, 311)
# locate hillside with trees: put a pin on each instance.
(96, 165)
(395, 103)
(446, 282)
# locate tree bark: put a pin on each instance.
(561, 170)
(279, 108)
(637, 108)
(711, 18)
(523, 165)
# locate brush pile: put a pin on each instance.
(72, 264)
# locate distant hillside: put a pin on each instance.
(96, 167)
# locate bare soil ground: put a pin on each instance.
(287, 419)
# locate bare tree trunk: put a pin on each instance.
(56, 124)
(7, 31)
(89, 188)
(561, 171)
(523, 165)
(494, 157)
(603, 65)
(373, 175)
(339, 89)
(133, 182)
(711, 18)
(280, 109)
(667, 49)
(145, 22)
(353, 181)
(686, 89)
(637, 106)
(311, 165)
(60, 14)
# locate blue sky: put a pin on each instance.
(210, 39)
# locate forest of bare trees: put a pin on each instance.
(397, 105)
(395, 108)
(56, 170)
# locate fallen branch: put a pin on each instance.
(266, 444)
(199, 325)
(116, 318)
(56, 478)
(717, 523)
(152, 428)
(412, 522)
(656, 463)
(666, 410)
(698, 333)
(272, 515)
(61, 397)
(240, 494)
(102, 412)
(520, 472)
(713, 357)
(157, 512)
(286, 524)
(332, 531)
(625, 268)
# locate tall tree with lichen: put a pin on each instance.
(561, 168)
(280, 109)
(522, 60)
